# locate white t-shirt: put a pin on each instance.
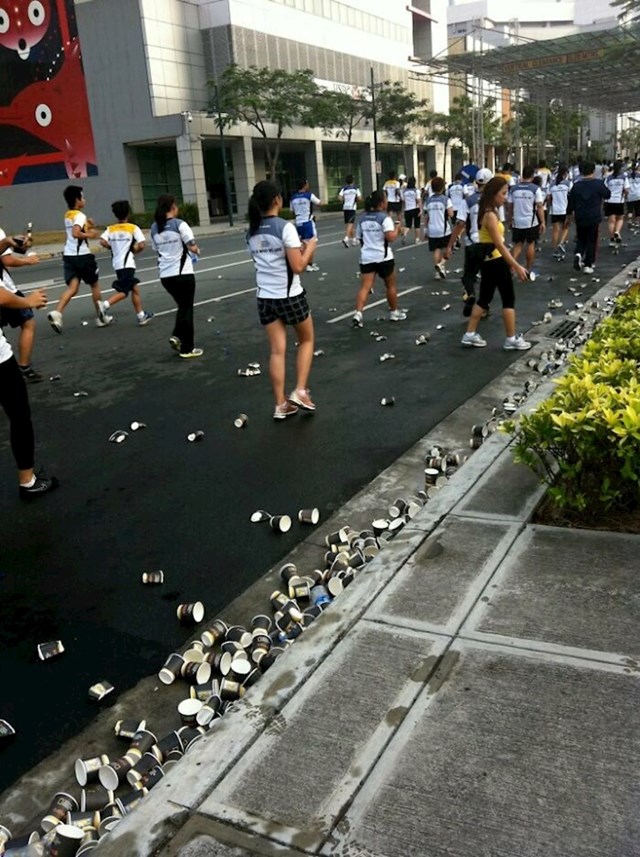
(5, 277)
(634, 188)
(411, 198)
(121, 237)
(617, 185)
(5, 349)
(268, 248)
(370, 232)
(173, 256)
(349, 195)
(524, 198)
(75, 246)
(559, 194)
(456, 194)
(436, 209)
(302, 203)
(392, 188)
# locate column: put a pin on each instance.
(134, 181)
(368, 167)
(244, 170)
(191, 164)
(412, 166)
(314, 165)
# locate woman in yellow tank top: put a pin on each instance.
(495, 273)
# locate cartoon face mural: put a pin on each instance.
(44, 133)
(23, 23)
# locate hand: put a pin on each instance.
(37, 299)
(90, 221)
(32, 259)
(521, 272)
(542, 228)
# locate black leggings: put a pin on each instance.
(15, 402)
(496, 274)
(182, 289)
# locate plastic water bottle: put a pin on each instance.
(194, 258)
(320, 595)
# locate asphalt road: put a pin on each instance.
(70, 564)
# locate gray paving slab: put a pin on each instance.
(575, 588)
(439, 583)
(508, 490)
(206, 846)
(512, 756)
(296, 779)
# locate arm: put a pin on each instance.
(540, 213)
(19, 261)
(490, 222)
(458, 229)
(105, 244)
(34, 300)
(139, 246)
(299, 257)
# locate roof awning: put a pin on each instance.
(598, 69)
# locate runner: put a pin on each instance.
(302, 202)
(23, 317)
(176, 246)
(376, 231)
(543, 172)
(557, 196)
(79, 261)
(526, 205)
(495, 271)
(456, 194)
(124, 239)
(280, 257)
(437, 217)
(411, 203)
(392, 189)
(350, 196)
(618, 184)
(585, 205)
(633, 198)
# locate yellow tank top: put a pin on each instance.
(485, 238)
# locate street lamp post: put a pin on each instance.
(375, 130)
(225, 168)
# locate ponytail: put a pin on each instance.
(374, 199)
(163, 207)
(261, 200)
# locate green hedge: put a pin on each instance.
(187, 211)
(584, 441)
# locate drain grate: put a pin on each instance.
(564, 329)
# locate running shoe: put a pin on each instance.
(588, 269)
(440, 271)
(195, 352)
(175, 343)
(29, 374)
(42, 485)
(397, 315)
(473, 339)
(286, 409)
(146, 318)
(577, 262)
(102, 312)
(516, 343)
(617, 238)
(345, 241)
(55, 320)
(105, 321)
(356, 321)
(302, 399)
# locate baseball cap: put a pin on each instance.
(483, 176)
(402, 177)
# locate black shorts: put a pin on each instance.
(394, 206)
(126, 280)
(633, 207)
(558, 218)
(495, 275)
(82, 268)
(412, 218)
(349, 215)
(9, 316)
(440, 243)
(382, 269)
(616, 208)
(525, 236)
(291, 310)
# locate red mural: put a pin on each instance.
(45, 124)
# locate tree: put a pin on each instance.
(627, 7)
(397, 111)
(262, 97)
(337, 112)
(629, 141)
(459, 122)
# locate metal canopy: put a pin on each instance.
(598, 69)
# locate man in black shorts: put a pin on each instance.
(79, 261)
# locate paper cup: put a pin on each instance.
(280, 523)
(171, 669)
(191, 613)
(309, 516)
(87, 770)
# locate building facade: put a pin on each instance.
(147, 64)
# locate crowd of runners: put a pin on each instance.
(474, 212)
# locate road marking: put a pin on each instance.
(371, 306)
(209, 301)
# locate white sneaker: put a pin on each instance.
(588, 269)
(102, 308)
(345, 241)
(577, 262)
(55, 320)
(104, 321)
(473, 339)
(397, 315)
(356, 321)
(516, 343)
(440, 271)
(417, 241)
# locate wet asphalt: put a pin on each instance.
(71, 564)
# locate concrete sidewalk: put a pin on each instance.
(473, 692)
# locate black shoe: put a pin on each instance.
(42, 485)
(30, 374)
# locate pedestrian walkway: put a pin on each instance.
(473, 692)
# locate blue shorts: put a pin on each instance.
(126, 280)
(14, 317)
(306, 230)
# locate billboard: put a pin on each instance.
(45, 124)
